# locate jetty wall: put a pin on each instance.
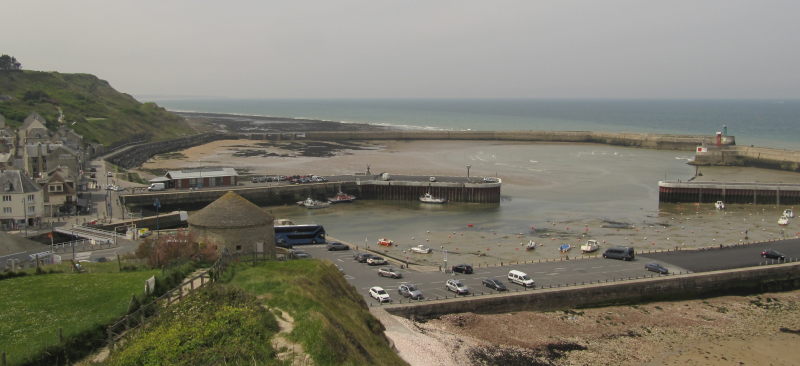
(729, 192)
(761, 157)
(697, 285)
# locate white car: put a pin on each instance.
(457, 287)
(376, 260)
(378, 293)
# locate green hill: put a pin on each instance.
(90, 106)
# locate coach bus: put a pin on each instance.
(288, 235)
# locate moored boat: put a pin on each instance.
(421, 249)
(531, 245)
(312, 203)
(783, 221)
(342, 197)
(788, 213)
(429, 198)
(590, 246)
(563, 248)
(719, 205)
(385, 242)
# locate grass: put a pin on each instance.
(332, 321)
(216, 325)
(35, 307)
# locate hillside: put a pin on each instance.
(90, 106)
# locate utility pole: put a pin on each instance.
(157, 205)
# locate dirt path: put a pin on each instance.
(288, 350)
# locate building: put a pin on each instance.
(60, 193)
(199, 178)
(234, 225)
(33, 130)
(21, 201)
(40, 158)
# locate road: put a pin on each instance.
(555, 273)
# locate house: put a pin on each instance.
(60, 195)
(21, 200)
(68, 137)
(33, 130)
(37, 159)
(198, 178)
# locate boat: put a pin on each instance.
(590, 246)
(783, 221)
(563, 248)
(341, 197)
(788, 213)
(312, 203)
(429, 198)
(385, 242)
(421, 249)
(719, 205)
(531, 245)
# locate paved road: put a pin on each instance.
(546, 274)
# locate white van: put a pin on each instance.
(520, 278)
(156, 187)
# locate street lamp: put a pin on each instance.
(157, 205)
(468, 166)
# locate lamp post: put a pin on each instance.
(157, 205)
(468, 166)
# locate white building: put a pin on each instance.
(21, 200)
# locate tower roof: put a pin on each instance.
(230, 211)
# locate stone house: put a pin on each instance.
(21, 200)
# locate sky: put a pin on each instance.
(684, 49)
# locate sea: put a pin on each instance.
(555, 186)
(767, 123)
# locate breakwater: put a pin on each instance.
(690, 286)
(137, 155)
(761, 157)
(730, 192)
(455, 189)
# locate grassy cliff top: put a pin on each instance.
(99, 112)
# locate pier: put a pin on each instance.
(373, 187)
(730, 192)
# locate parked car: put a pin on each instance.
(520, 278)
(389, 272)
(624, 253)
(656, 267)
(299, 254)
(362, 257)
(457, 287)
(409, 290)
(335, 245)
(378, 293)
(463, 268)
(494, 284)
(772, 254)
(375, 260)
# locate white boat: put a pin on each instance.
(429, 198)
(590, 246)
(312, 203)
(788, 213)
(783, 221)
(341, 197)
(531, 245)
(719, 205)
(421, 249)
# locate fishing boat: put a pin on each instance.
(719, 205)
(385, 242)
(429, 198)
(590, 246)
(531, 245)
(312, 203)
(342, 197)
(563, 248)
(783, 221)
(421, 249)
(788, 213)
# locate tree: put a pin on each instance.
(9, 63)
(172, 247)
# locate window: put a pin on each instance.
(6, 210)
(30, 198)
(55, 188)
(31, 209)
(6, 198)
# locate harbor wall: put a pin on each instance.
(760, 157)
(735, 192)
(697, 285)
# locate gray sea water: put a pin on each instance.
(771, 123)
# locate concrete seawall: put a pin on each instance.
(761, 157)
(697, 285)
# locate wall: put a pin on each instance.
(762, 157)
(137, 155)
(697, 285)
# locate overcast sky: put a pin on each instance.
(402, 48)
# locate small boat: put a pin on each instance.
(783, 221)
(719, 205)
(788, 213)
(531, 245)
(385, 242)
(312, 203)
(563, 248)
(590, 246)
(429, 198)
(341, 197)
(421, 249)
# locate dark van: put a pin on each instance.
(624, 253)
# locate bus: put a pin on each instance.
(288, 235)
